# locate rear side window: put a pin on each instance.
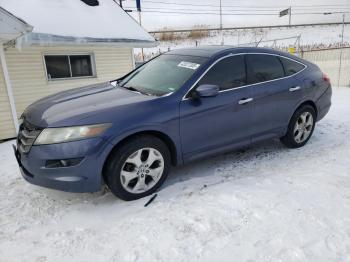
(227, 73)
(291, 67)
(263, 68)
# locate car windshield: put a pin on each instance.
(163, 75)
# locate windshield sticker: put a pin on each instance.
(188, 65)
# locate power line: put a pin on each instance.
(323, 8)
(264, 6)
(243, 27)
(229, 9)
(320, 13)
(201, 13)
(216, 13)
(201, 9)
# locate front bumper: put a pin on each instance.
(83, 177)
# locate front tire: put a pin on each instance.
(138, 167)
(300, 128)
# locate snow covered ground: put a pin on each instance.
(265, 203)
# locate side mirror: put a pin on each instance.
(207, 90)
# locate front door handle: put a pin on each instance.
(245, 101)
(292, 89)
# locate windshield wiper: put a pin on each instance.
(136, 90)
(131, 88)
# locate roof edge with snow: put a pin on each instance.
(38, 39)
(12, 26)
(73, 22)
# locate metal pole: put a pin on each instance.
(8, 87)
(342, 33)
(222, 35)
(290, 15)
(341, 49)
(143, 57)
(220, 15)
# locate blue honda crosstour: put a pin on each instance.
(180, 106)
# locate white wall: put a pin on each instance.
(29, 82)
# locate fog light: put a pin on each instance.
(63, 162)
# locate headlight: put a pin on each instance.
(65, 134)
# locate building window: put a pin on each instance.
(69, 66)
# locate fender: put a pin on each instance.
(154, 127)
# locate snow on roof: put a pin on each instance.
(74, 21)
(11, 27)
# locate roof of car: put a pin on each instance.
(209, 51)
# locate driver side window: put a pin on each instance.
(228, 73)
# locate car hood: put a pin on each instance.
(81, 105)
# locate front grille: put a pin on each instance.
(26, 136)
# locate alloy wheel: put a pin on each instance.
(142, 170)
(303, 127)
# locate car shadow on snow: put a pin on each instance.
(247, 162)
(253, 160)
(230, 164)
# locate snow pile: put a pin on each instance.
(265, 203)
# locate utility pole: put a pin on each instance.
(290, 16)
(138, 7)
(342, 31)
(221, 32)
(341, 49)
(140, 21)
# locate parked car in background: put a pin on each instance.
(181, 106)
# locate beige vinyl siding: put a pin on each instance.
(28, 75)
(7, 128)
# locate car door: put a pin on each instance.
(213, 124)
(276, 92)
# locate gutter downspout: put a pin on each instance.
(133, 58)
(8, 87)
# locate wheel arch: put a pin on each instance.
(162, 136)
(301, 104)
(310, 103)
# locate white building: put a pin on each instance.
(47, 46)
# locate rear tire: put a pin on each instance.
(300, 128)
(138, 167)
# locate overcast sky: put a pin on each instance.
(157, 15)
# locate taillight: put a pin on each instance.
(325, 78)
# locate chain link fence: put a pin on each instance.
(333, 57)
(335, 62)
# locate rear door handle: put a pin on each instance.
(292, 89)
(245, 101)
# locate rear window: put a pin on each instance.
(263, 68)
(291, 67)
